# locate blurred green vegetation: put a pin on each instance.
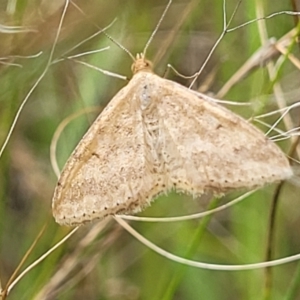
(113, 265)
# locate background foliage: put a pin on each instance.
(102, 261)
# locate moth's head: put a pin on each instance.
(141, 64)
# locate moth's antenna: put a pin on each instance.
(106, 34)
(156, 28)
(119, 45)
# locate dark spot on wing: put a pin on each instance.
(95, 154)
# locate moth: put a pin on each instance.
(154, 136)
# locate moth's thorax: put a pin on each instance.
(141, 64)
(146, 88)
